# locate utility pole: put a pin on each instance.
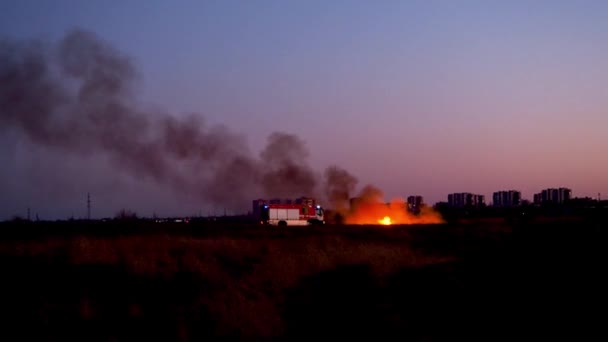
(28, 213)
(88, 206)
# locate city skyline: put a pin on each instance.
(409, 97)
(413, 202)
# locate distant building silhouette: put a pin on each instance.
(553, 196)
(414, 202)
(465, 199)
(507, 198)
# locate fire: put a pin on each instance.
(385, 221)
(370, 208)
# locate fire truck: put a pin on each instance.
(288, 212)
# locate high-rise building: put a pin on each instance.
(414, 202)
(465, 199)
(565, 194)
(507, 198)
(477, 200)
(553, 196)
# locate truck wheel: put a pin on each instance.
(282, 224)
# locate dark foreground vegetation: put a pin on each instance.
(140, 281)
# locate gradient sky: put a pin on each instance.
(414, 97)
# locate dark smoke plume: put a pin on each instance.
(339, 184)
(77, 96)
(287, 173)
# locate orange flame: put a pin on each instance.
(385, 221)
(369, 208)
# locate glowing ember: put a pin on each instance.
(385, 221)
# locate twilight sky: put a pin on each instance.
(414, 97)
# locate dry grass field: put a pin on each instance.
(170, 282)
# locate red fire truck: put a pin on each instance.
(287, 212)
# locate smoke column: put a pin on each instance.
(77, 96)
(339, 184)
